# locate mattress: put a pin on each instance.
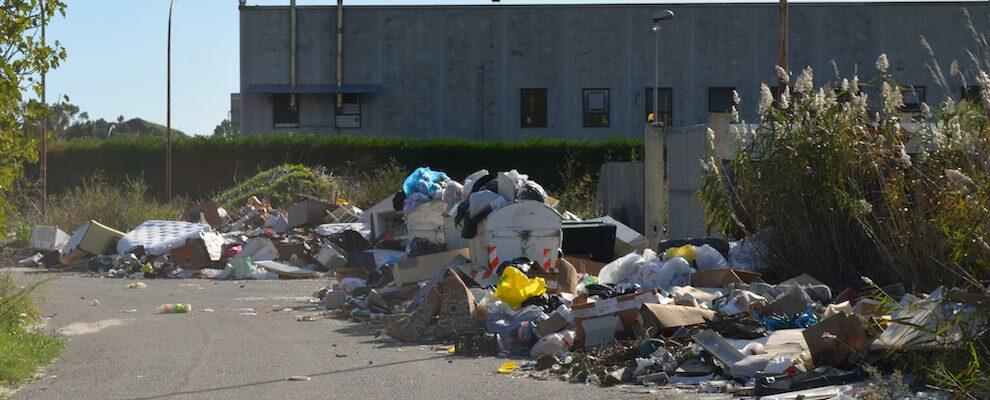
(158, 237)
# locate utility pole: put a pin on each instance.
(782, 45)
(168, 108)
(43, 157)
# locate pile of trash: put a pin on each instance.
(491, 267)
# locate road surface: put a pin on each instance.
(121, 349)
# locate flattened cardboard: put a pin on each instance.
(94, 238)
(715, 344)
(554, 324)
(845, 335)
(422, 268)
(663, 319)
(723, 277)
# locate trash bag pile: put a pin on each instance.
(491, 268)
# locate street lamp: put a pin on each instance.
(168, 107)
(658, 17)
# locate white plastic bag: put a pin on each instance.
(624, 267)
(674, 272)
(554, 344)
(706, 257)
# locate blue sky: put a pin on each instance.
(116, 56)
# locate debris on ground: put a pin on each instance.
(490, 267)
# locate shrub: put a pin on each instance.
(120, 207)
(845, 189)
(279, 184)
(367, 188)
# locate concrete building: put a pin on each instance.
(498, 72)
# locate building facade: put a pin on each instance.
(500, 72)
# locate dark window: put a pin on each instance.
(349, 112)
(666, 117)
(972, 94)
(286, 110)
(913, 97)
(534, 108)
(720, 99)
(596, 108)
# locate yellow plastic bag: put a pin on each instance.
(686, 252)
(514, 287)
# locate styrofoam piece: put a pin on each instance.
(329, 229)
(48, 238)
(158, 237)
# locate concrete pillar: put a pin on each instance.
(724, 146)
(656, 186)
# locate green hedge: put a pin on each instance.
(203, 166)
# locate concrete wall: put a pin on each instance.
(456, 71)
(621, 192)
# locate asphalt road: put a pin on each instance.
(115, 352)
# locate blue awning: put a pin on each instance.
(278, 88)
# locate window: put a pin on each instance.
(286, 110)
(720, 99)
(534, 108)
(666, 108)
(349, 113)
(913, 97)
(595, 108)
(972, 94)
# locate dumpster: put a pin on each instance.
(427, 221)
(523, 228)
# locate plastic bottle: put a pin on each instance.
(174, 308)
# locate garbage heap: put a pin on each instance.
(602, 309)
(308, 240)
(490, 266)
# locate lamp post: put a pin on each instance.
(168, 107)
(43, 157)
(658, 17)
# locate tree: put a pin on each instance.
(225, 130)
(23, 57)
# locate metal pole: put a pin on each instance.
(168, 107)
(656, 90)
(43, 157)
(782, 45)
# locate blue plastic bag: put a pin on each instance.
(426, 181)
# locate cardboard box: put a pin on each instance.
(48, 238)
(309, 212)
(846, 335)
(287, 250)
(599, 330)
(721, 278)
(192, 255)
(585, 266)
(625, 307)
(93, 238)
(415, 269)
(663, 319)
